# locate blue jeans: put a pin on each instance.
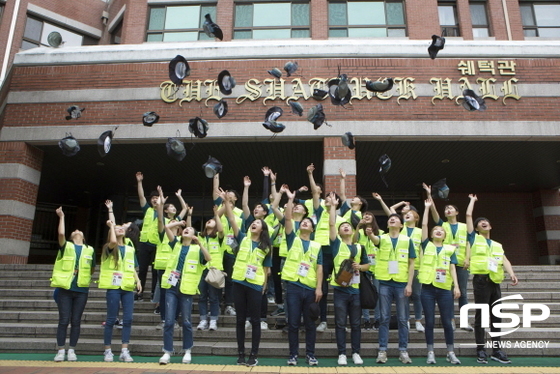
(71, 305)
(299, 302)
(444, 298)
(463, 280)
(347, 305)
(208, 294)
(175, 299)
(114, 299)
(327, 273)
(386, 296)
(228, 262)
(416, 302)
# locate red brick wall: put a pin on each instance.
(422, 19)
(547, 198)
(135, 22)
(334, 150)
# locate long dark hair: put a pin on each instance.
(133, 233)
(264, 237)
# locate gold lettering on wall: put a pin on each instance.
(442, 87)
(253, 86)
(406, 88)
(509, 88)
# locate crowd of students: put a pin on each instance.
(301, 247)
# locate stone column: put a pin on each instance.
(337, 156)
(546, 211)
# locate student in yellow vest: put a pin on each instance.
(346, 298)
(118, 276)
(212, 237)
(439, 284)
(456, 235)
(487, 261)
(351, 212)
(229, 257)
(303, 274)
(74, 266)
(368, 224)
(149, 237)
(181, 278)
(250, 273)
(395, 270)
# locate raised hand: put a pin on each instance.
(59, 212)
(139, 177)
(246, 181)
(342, 173)
(310, 169)
(376, 196)
(266, 171)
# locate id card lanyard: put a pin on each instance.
(393, 263)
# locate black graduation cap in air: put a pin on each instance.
(297, 108)
(319, 94)
(226, 82)
(438, 42)
(276, 73)
(176, 149)
(212, 167)
(440, 189)
(272, 114)
(198, 127)
(69, 145)
(104, 143)
(384, 166)
(339, 91)
(472, 101)
(290, 67)
(274, 126)
(178, 69)
(221, 108)
(149, 118)
(380, 86)
(211, 29)
(316, 116)
(348, 140)
(74, 112)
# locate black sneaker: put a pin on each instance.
(156, 310)
(481, 357)
(501, 357)
(138, 297)
(368, 325)
(241, 359)
(252, 361)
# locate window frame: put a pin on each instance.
(201, 36)
(456, 29)
(38, 43)
(385, 26)
(485, 26)
(535, 27)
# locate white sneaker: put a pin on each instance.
(59, 356)
(176, 326)
(164, 360)
(160, 325)
(322, 327)
(187, 357)
(230, 310)
(108, 356)
(452, 358)
(431, 358)
(381, 357)
(71, 355)
(247, 325)
(202, 325)
(419, 327)
(453, 324)
(403, 357)
(125, 355)
(271, 300)
(342, 360)
(357, 359)
(213, 325)
(264, 325)
(408, 325)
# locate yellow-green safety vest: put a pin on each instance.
(149, 231)
(65, 267)
(435, 267)
(485, 257)
(298, 261)
(228, 231)
(216, 251)
(110, 273)
(386, 253)
(343, 254)
(348, 215)
(247, 257)
(416, 237)
(192, 269)
(322, 229)
(370, 248)
(459, 241)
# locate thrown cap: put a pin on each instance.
(297, 108)
(348, 140)
(178, 69)
(438, 42)
(440, 189)
(74, 112)
(212, 29)
(176, 149)
(149, 118)
(276, 73)
(69, 145)
(212, 167)
(104, 143)
(316, 116)
(472, 101)
(226, 82)
(198, 127)
(221, 108)
(290, 67)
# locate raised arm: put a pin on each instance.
(342, 185)
(112, 236)
(470, 208)
(161, 218)
(427, 205)
(245, 197)
(205, 252)
(169, 229)
(332, 218)
(273, 190)
(188, 221)
(274, 205)
(140, 187)
(219, 226)
(289, 207)
(378, 197)
(433, 210)
(216, 186)
(313, 185)
(393, 208)
(184, 205)
(229, 213)
(61, 227)
(266, 179)
(109, 205)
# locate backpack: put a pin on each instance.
(368, 292)
(345, 273)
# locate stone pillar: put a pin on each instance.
(20, 171)
(546, 211)
(337, 156)
(465, 20)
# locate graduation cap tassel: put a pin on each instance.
(384, 181)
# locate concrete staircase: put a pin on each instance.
(29, 318)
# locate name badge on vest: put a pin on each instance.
(251, 272)
(441, 274)
(174, 278)
(393, 267)
(492, 265)
(88, 259)
(371, 259)
(130, 265)
(117, 279)
(356, 277)
(303, 269)
(229, 240)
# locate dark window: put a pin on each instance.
(37, 31)
(448, 20)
